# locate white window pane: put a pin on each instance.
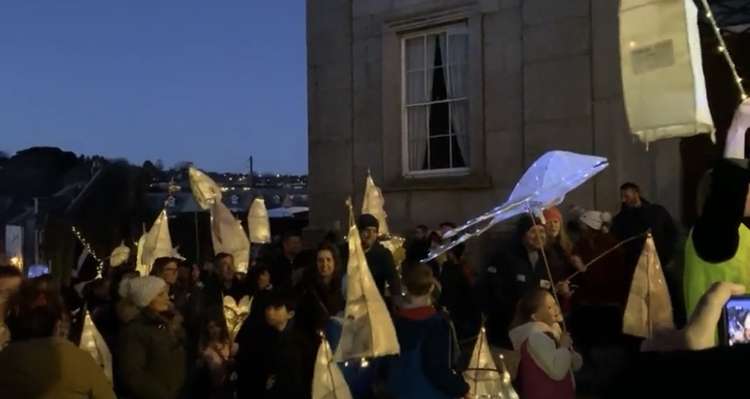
(458, 53)
(459, 117)
(458, 76)
(458, 49)
(460, 127)
(417, 136)
(415, 90)
(415, 53)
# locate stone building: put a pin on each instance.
(447, 102)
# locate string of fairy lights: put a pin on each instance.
(99, 261)
(87, 246)
(724, 50)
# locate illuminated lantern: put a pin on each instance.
(328, 382)
(368, 330)
(649, 307)
(374, 204)
(155, 244)
(258, 222)
(235, 314)
(205, 191)
(484, 378)
(93, 343)
(662, 71)
(228, 236)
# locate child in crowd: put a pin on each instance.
(277, 360)
(547, 356)
(217, 359)
(259, 279)
(424, 368)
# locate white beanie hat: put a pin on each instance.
(142, 290)
(595, 219)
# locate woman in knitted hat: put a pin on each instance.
(607, 281)
(560, 245)
(599, 301)
(152, 361)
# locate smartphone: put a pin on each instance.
(734, 327)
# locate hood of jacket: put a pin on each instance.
(520, 334)
(126, 311)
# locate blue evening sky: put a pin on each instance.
(211, 82)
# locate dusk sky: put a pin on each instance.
(176, 80)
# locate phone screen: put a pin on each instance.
(736, 320)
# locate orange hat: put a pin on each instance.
(552, 213)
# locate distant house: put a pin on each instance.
(236, 201)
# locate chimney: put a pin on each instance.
(251, 178)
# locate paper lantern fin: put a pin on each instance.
(368, 330)
(649, 307)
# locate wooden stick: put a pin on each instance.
(549, 274)
(605, 253)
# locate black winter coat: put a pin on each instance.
(508, 277)
(633, 221)
(152, 362)
(458, 298)
(276, 364)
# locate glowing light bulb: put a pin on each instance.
(721, 49)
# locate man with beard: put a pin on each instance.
(638, 216)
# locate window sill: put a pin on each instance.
(439, 183)
(427, 174)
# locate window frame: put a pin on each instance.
(404, 111)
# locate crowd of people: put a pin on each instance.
(547, 297)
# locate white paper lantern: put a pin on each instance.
(93, 343)
(483, 376)
(258, 222)
(328, 381)
(205, 190)
(228, 236)
(374, 204)
(119, 255)
(236, 313)
(662, 71)
(155, 244)
(368, 329)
